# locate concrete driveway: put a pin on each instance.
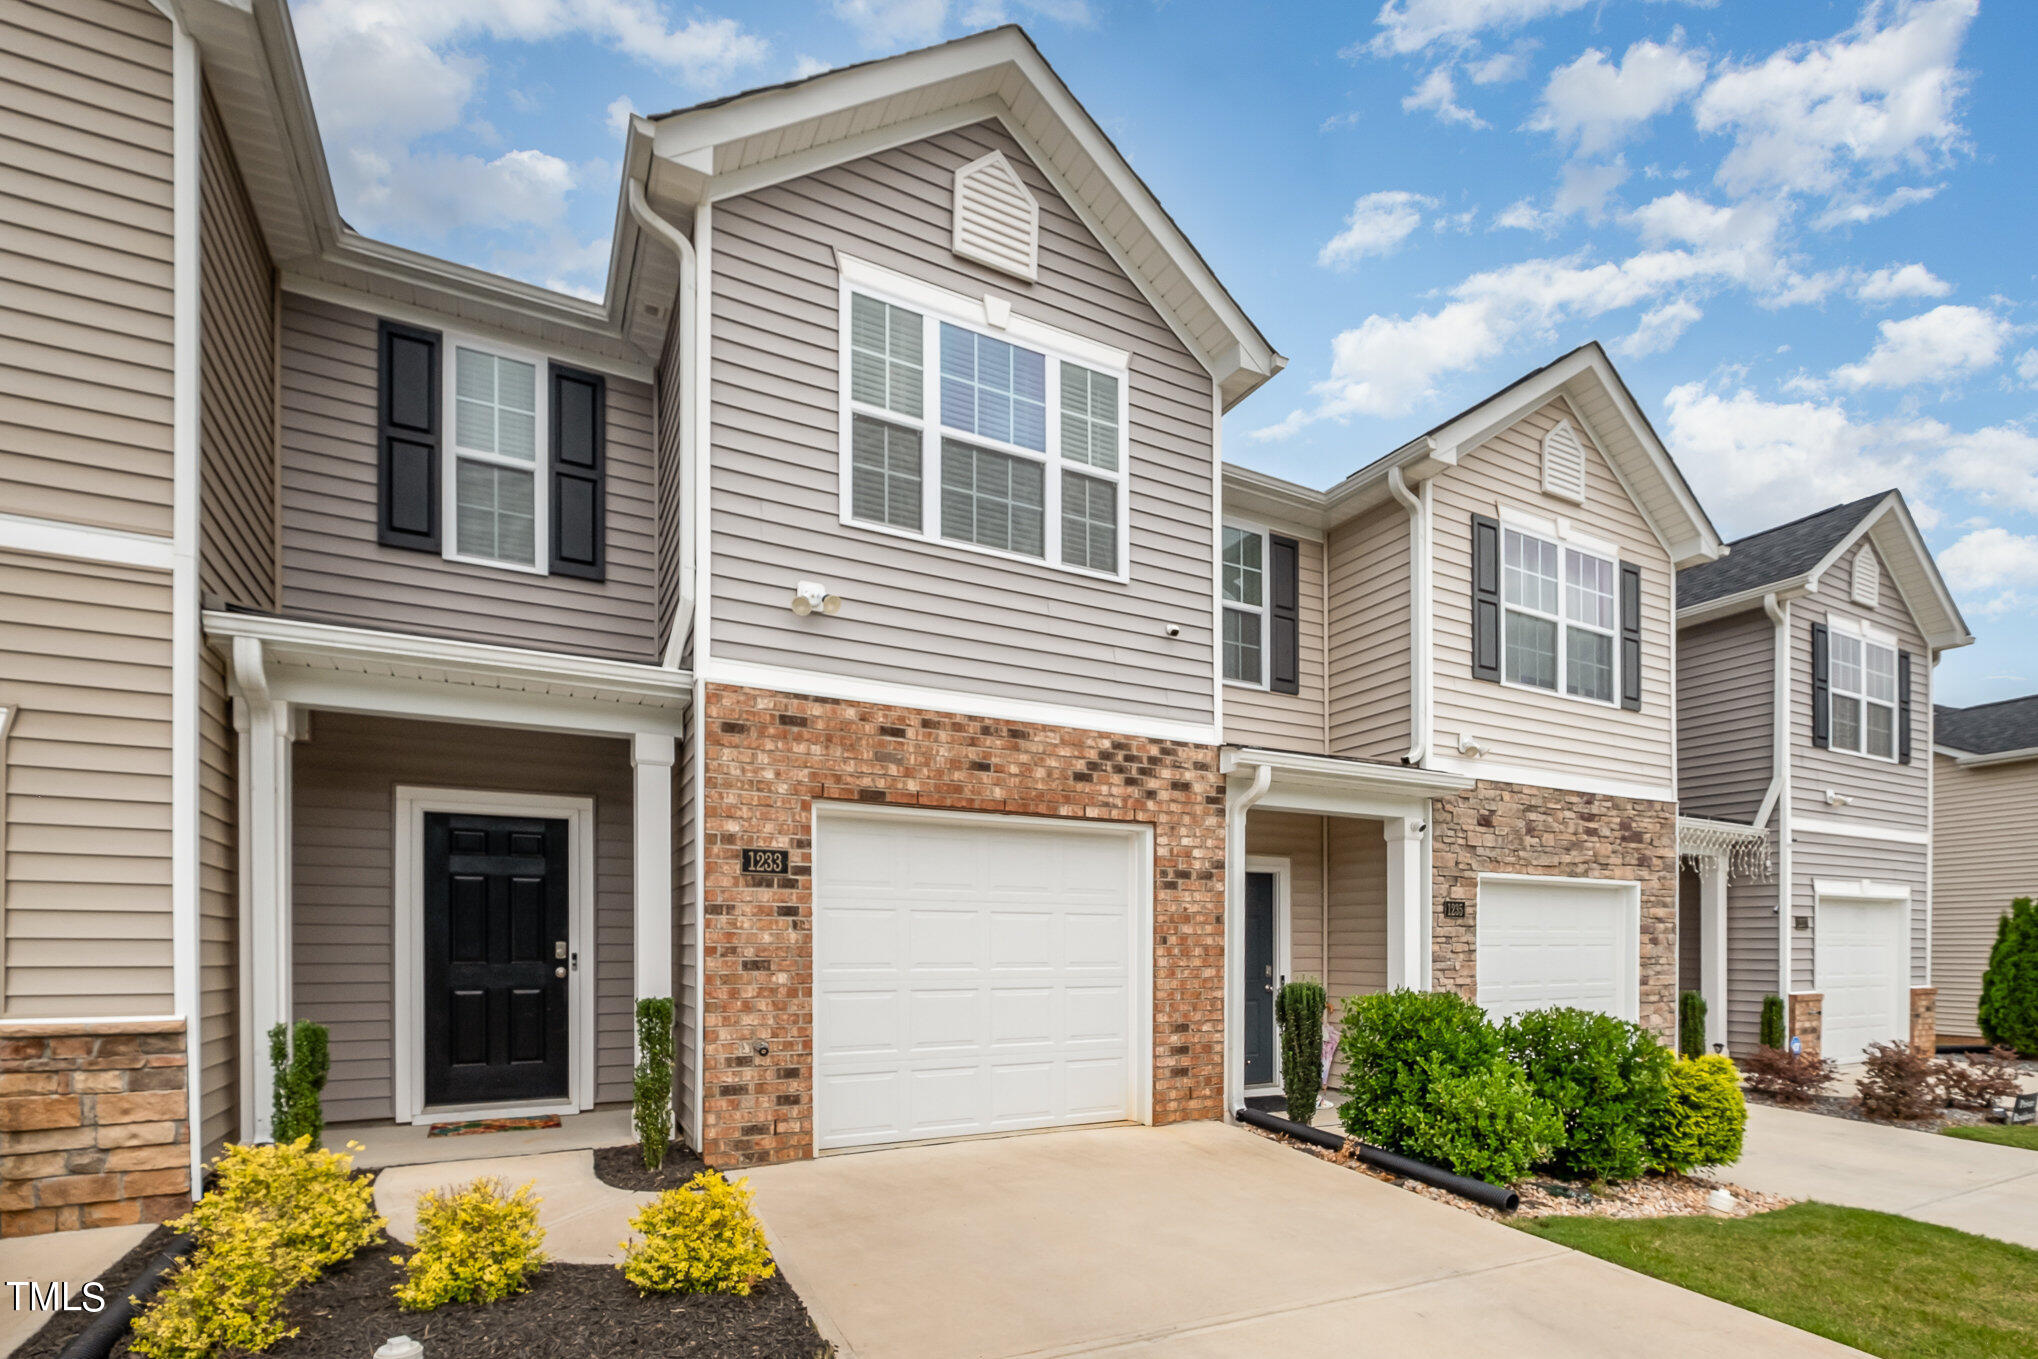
(1974, 1186)
(1197, 1241)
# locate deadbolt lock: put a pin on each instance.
(559, 949)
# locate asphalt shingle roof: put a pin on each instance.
(1988, 728)
(1772, 555)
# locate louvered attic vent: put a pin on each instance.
(1867, 586)
(1564, 463)
(997, 222)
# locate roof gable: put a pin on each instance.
(1775, 554)
(1988, 728)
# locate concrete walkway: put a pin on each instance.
(1198, 1241)
(74, 1258)
(1974, 1186)
(585, 1221)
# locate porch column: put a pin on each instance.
(1712, 948)
(266, 728)
(651, 756)
(1407, 905)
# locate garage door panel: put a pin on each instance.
(1559, 943)
(1862, 975)
(1008, 967)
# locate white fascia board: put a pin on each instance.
(1794, 587)
(1418, 460)
(115, 547)
(1327, 774)
(1857, 830)
(1969, 759)
(1487, 770)
(1270, 500)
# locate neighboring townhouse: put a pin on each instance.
(1450, 716)
(1984, 844)
(1804, 702)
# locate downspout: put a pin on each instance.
(1777, 800)
(1418, 616)
(689, 340)
(1237, 805)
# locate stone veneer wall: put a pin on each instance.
(94, 1125)
(1511, 828)
(769, 757)
(1925, 1018)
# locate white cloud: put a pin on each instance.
(1828, 117)
(1898, 282)
(1502, 67)
(619, 113)
(1935, 346)
(1857, 211)
(1997, 465)
(1377, 225)
(1583, 188)
(435, 193)
(1595, 105)
(1413, 25)
(1524, 215)
(805, 66)
(1661, 327)
(1991, 559)
(2027, 367)
(1439, 94)
(895, 24)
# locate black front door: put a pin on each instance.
(495, 959)
(1259, 978)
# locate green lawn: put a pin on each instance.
(2024, 1135)
(1883, 1284)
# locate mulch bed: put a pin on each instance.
(51, 1339)
(623, 1168)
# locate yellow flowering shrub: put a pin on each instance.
(475, 1244)
(273, 1218)
(703, 1238)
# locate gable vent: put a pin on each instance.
(997, 222)
(1564, 463)
(1867, 584)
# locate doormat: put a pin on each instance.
(489, 1125)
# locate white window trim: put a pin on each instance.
(1584, 547)
(1868, 635)
(1263, 608)
(992, 317)
(540, 465)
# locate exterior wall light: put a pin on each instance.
(809, 598)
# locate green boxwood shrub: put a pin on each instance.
(1607, 1079)
(1299, 1007)
(299, 1059)
(2009, 988)
(1486, 1123)
(1703, 1121)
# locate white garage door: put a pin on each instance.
(1558, 941)
(974, 974)
(1861, 975)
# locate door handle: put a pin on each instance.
(559, 972)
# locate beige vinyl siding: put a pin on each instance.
(1984, 856)
(686, 937)
(1689, 931)
(85, 911)
(670, 497)
(335, 572)
(343, 878)
(1726, 704)
(85, 262)
(218, 910)
(1884, 793)
(1529, 727)
(1298, 839)
(1370, 704)
(1833, 856)
(237, 386)
(1751, 960)
(1259, 717)
(927, 613)
(1358, 907)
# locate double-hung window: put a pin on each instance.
(1864, 692)
(1561, 617)
(1244, 575)
(1006, 438)
(496, 474)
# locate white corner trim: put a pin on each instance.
(1860, 830)
(115, 547)
(1861, 889)
(784, 679)
(407, 939)
(859, 273)
(1487, 770)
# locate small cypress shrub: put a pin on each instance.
(701, 1239)
(2009, 988)
(1772, 1021)
(651, 1087)
(1703, 1122)
(298, 1056)
(1298, 1007)
(1691, 1025)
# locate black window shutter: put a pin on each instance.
(1284, 655)
(1903, 707)
(1485, 598)
(407, 477)
(579, 478)
(1822, 688)
(1631, 637)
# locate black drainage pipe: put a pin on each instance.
(1464, 1186)
(96, 1340)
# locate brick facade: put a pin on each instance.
(1807, 1021)
(769, 757)
(1925, 1018)
(94, 1128)
(1511, 828)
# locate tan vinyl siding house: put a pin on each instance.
(1725, 716)
(1370, 704)
(924, 613)
(1984, 856)
(1254, 716)
(85, 286)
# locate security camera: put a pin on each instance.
(1173, 629)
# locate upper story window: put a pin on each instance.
(1864, 691)
(1560, 625)
(1020, 451)
(497, 459)
(1244, 575)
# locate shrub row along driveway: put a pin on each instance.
(1197, 1241)
(1973, 1186)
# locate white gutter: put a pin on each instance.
(1777, 799)
(1418, 614)
(689, 341)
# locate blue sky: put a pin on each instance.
(1803, 229)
